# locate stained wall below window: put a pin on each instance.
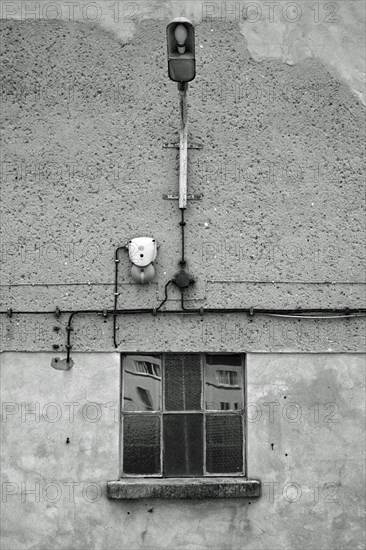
(305, 441)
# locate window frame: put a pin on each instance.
(204, 412)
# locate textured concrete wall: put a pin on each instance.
(305, 443)
(87, 109)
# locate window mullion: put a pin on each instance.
(121, 418)
(244, 414)
(203, 406)
(162, 408)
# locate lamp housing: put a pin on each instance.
(181, 66)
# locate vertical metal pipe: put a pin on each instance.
(183, 145)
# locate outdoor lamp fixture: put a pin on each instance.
(181, 56)
(182, 69)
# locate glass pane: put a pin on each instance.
(141, 383)
(224, 444)
(224, 383)
(141, 444)
(183, 445)
(182, 382)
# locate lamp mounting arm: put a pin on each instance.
(183, 144)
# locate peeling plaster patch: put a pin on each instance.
(119, 18)
(338, 44)
(61, 364)
(336, 39)
(116, 17)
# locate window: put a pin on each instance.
(182, 415)
(147, 367)
(227, 377)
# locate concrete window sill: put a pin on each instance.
(192, 488)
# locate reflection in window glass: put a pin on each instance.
(141, 383)
(223, 383)
(145, 397)
(227, 377)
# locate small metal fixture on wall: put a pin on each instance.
(142, 252)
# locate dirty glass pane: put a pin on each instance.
(224, 383)
(183, 445)
(141, 383)
(141, 444)
(224, 444)
(182, 383)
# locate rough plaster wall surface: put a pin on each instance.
(84, 169)
(310, 460)
(291, 31)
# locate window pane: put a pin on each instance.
(141, 444)
(141, 383)
(182, 382)
(223, 383)
(183, 445)
(224, 444)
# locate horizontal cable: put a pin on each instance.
(297, 313)
(286, 282)
(212, 281)
(56, 284)
(315, 316)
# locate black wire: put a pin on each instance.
(342, 313)
(234, 281)
(116, 262)
(183, 224)
(165, 297)
(345, 311)
(294, 313)
(69, 329)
